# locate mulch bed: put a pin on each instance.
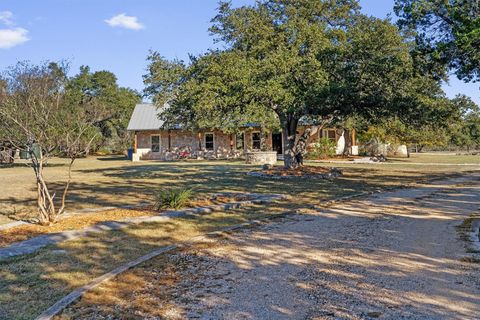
(280, 172)
(25, 232)
(301, 171)
(336, 158)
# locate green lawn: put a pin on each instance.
(439, 158)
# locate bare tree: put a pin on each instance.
(36, 117)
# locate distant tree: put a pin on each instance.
(446, 32)
(465, 131)
(397, 132)
(113, 104)
(36, 117)
(289, 60)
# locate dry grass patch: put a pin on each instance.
(30, 284)
(82, 221)
(76, 222)
(112, 181)
(148, 291)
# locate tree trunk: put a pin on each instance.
(67, 185)
(347, 134)
(46, 206)
(47, 213)
(289, 127)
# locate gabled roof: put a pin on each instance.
(145, 117)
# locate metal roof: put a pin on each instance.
(145, 117)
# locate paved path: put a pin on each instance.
(397, 255)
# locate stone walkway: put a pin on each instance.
(34, 244)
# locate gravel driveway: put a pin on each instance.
(395, 255)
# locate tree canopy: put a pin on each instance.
(113, 104)
(283, 61)
(446, 32)
(465, 131)
(36, 117)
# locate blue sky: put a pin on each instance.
(116, 35)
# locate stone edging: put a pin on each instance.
(61, 304)
(13, 225)
(36, 243)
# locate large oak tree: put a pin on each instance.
(315, 60)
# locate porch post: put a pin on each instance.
(354, 148)
(135, 142)
(169, 140)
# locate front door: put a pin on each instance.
(277, 142)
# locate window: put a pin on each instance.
(256, 140)
(209, 141)
(240, 140)
(155, 144)
(331, 134)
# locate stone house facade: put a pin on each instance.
(153, 142)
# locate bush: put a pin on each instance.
(324, 148)
(174, 198)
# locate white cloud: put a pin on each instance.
(124, 21)
(10, 38)
(6, 18)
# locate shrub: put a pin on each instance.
(173, 198)
(324, 148)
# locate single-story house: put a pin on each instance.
(154, 142)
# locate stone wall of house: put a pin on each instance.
(175, 143)
(267, 139)
(187, 143)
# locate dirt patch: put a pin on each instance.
(147, 291)
(335, 158)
